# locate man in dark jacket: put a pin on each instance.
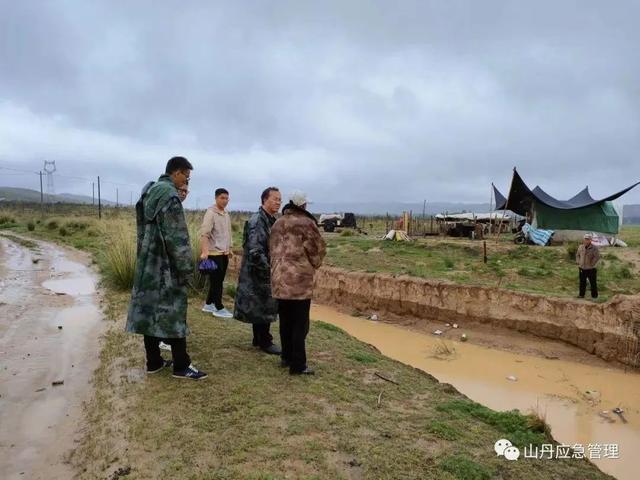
(254, 303)
(297, 251)
(164, 265)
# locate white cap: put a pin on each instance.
(588, 236)
(299, 198)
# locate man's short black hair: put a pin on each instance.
(221, 191)
(267, 191)
(177, 164)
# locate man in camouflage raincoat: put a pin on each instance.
(158, 308)
(254, 303)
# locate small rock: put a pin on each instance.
(57, 383)
(41, 390)
(438, 332)
(512, 378)
(59, 327)
(447, 325)
(455, 325)
(463, 337)
(374, 317)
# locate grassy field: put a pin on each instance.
(549, 270)
(251, 420)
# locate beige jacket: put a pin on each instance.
(587, 258)
(216, 227)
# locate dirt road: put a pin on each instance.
(50, 325)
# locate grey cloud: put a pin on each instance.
(350, 100)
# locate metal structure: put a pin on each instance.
(49, 169)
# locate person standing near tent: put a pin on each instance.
(297, 251)
(254, 302)
(158, 308)
(587, 258)
(216, 241)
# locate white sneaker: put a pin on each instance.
(222, 313)
(164, 346)
(209, 308)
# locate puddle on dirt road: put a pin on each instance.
(44, 339)
(570, 395)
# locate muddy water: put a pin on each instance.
(49, 329)
(554, 388)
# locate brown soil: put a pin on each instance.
(42, 290)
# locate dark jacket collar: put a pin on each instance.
(266, 215)
(291, 209)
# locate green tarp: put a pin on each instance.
(601, 217)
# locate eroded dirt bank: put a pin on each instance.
(49, 333)
(609, 330)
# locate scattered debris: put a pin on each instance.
(385, 378)
(40, 390)
(512, 378)
(463, 337)
(59, 327)
(379, 399)
(121, 472)
(593, 397)
(374, 317)
(605, 414)
(455, 325)
(551, 357)
(438, 332)
(354, 463)
(57, 383)
(448, 325)
(618, 411)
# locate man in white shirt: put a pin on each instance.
(216, 242)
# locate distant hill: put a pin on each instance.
(11, 194)
(631, 214)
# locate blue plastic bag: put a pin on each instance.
(207, 265)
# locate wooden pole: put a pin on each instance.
(485, 251)
(99, 200)
(490, 208)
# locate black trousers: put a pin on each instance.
(262, 335)
(294, 327)
(181, 358)
(592, 276)
(216, 280)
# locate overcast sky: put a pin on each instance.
(348, 100)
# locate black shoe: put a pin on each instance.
(165, 363)
(272, 350)
(306, 371)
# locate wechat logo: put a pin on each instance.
(505, 449)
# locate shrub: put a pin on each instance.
(52, 224)
(6, 219)
(63, 231)
(346, 233)
(572, 249)
(120, 258)
(31, 226)
(231, 290)
(448, 263)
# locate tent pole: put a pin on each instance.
(504, 211)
